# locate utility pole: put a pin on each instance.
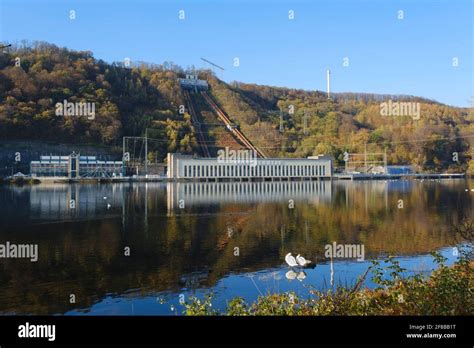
(365, 158)
(146, 152)
(328, 81)
(123, 148)
(281, 121)
(305, 123)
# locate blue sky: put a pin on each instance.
(386, 55)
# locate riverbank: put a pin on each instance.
(19, 181)
(447, 291)
(352, 177)
(412, 176)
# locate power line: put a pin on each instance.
(335, 145)
(214, 64)
(329, 137)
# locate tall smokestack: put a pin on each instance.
(328, 78)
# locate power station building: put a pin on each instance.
(75, 166)
(183, 167)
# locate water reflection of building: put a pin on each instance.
(373, 192)
(79, 201)
(62, 201)
(192, 193)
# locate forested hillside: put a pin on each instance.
(349, 122)
(129, 99)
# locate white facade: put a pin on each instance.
(74, 166)
(186, 167)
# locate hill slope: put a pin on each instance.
(280, 121)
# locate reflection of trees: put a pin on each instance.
(464, 235)
(194, 248)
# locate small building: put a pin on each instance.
(192, 82)
(50, 166)
(395, 170)
(75, 166)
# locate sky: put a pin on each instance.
(385, 54)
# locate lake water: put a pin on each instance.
(226, 238)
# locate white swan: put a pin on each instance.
(301, 276)
(302, 261)
(291, 275)
(290, 260)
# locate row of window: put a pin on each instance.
(42, 169)
(230, 171)
(293, 187)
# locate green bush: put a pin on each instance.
(447, 291)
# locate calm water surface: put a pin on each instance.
(226, 238)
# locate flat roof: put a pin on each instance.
(243, 158)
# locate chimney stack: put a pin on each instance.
(328, 77)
